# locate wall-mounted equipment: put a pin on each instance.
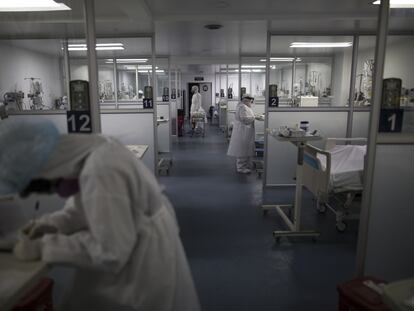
(13, 101)
(79, 95)
(230, 93)
(391, 93)
(35, 94)
(165, 94)
(273, 98)
(391, 117)
(242, 91)
(148, 97)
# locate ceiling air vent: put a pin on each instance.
(213, 26)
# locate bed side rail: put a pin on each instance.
(332, 142)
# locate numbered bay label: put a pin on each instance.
(79, 121)
(148, 103)
(274, 101)
(391, 120)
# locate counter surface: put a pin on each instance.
(138, 150)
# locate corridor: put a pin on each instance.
(235, 262)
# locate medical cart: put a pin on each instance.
(294, 209)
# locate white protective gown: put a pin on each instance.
(120, 231)
(243, 135)
(196, 104)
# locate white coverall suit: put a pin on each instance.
(242, 141)
(120, 231)
(196, 105)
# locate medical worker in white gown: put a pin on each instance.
(196, 105)
(242, 141)
(118, 228)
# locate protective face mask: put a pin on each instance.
(63, 187)
(67, 187)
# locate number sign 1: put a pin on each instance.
(391, 120)
(79, 121)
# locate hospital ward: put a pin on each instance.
(216, 155)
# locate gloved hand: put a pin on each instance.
(27, 249)
(38, 228)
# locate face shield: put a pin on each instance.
(26, 147)
(247, 99)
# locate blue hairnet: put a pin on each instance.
(25, 149)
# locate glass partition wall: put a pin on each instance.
(311, 71)
(226, 81)
(33, 74)
(124, 69)
(397, 106)
(253, 74)
(42, 68)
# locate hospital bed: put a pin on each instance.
(335, 173)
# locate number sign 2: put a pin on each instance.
(391, 120)
(79, 121)
(273, 101)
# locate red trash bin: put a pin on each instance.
(355, 296)
(180, 120)
(38, 298)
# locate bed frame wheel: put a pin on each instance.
(341, 226)
(321, 207)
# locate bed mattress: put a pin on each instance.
(347, 167)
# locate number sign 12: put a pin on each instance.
(79, 121)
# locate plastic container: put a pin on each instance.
(305, 125)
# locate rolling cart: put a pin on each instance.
(200, 125)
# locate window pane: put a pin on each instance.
(32, 74)
(311, 71)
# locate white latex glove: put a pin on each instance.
(27, 249)
(38, 228)
(259, 117)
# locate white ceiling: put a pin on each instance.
(179, 24)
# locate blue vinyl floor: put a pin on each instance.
(235, 261)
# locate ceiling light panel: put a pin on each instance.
(398, 4)
(127, 60)
(282, 59)
(253, 66)
(31, 6)
(320, 44)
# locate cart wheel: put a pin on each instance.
(264, 212)
(321, 208)
(314, 239)
(341, 227)
(277, 239)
